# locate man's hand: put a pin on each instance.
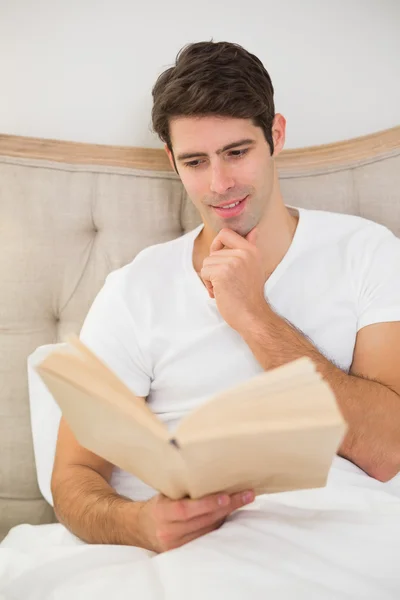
(234, 275)
(166, 524)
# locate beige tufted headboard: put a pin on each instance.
(70, 213)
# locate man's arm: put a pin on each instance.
(83, 499)
(369, 397)
(88, 506)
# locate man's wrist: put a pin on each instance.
(120, 522)
(255, 323)
(128, 527)
(274, 341)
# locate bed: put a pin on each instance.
(71, 213)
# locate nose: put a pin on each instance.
(221, 180)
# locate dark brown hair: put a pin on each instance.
(214, 78)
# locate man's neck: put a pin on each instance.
(276, 233)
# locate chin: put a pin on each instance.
(242, 229)
(240, 226)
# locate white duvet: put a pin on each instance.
(339, 542)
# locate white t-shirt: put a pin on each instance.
(156, 327)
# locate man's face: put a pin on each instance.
(224, 161)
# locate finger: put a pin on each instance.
(209, 287)
(205, 277)
(181, 529)
(237, 501)
(241, 499)
(229, 239)
(170, 542)
(182, 510)
(227, 253)
(206, 274)
(180, 532)
(218, 270)
(177, 534)
(212, 507)
(216, 244)
(193, 535)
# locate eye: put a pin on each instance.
(193, 163)
(239, 153)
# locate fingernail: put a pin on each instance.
(247, 497)
(223, 500)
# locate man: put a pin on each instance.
(257, 285)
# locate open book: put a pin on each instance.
(276, 432)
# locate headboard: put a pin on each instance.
(71, 213)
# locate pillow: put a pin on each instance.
(45, 420)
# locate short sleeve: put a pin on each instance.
(379, 278)
(112, 332)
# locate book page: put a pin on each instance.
(267, 462)
(89, 358)
(292, 406)
(110, 425)
(246, 400)
(263, 437)
(90, 378)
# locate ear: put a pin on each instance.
(278, 133)
(171, 158)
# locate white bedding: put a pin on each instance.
(339, 542)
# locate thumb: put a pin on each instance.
(208, 285)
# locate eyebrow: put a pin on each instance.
(247, 142)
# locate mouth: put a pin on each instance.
(232, 209)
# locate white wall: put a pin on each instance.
(83, 69)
